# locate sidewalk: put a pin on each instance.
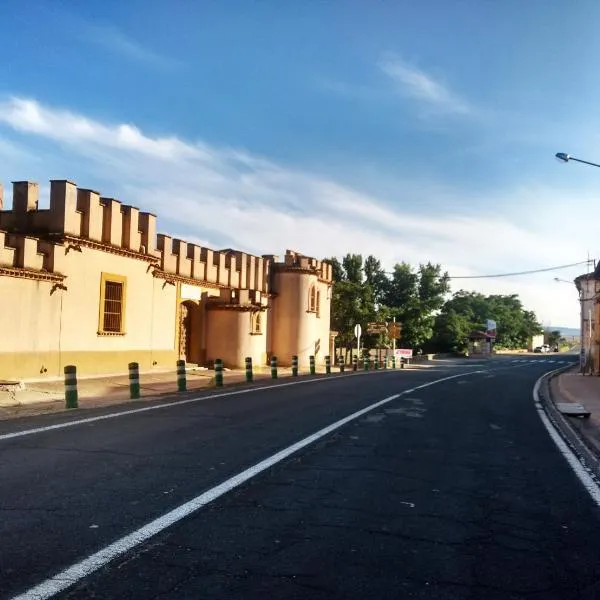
(572, 387)
(49, 397)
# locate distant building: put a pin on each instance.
(588, 286)
(89, 282)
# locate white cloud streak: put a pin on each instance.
(116, 42)
(417, 84)
(231, 198)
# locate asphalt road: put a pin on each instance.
(454, 490)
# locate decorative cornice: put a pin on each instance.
(174, 278)
(109, 248)
(31, 274)
(234, 307)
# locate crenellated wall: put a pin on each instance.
(84, 214)
(54, 262)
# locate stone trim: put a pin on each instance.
(108, 248)
(174, 278)
(31, 274)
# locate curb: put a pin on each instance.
(584, 452)
(173, 396)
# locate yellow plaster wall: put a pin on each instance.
(228, 332)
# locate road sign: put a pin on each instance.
(376, 328)
(394, 330)
(403, 352)
(357, 330)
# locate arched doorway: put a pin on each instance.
(188, 327)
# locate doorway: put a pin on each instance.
(188, 328)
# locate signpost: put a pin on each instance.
(357, 333)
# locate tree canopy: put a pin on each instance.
(418, 298)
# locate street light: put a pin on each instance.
(564, 157)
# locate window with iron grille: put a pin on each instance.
(112, 305)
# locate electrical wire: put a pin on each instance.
(517, 273)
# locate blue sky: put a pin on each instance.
(411, 130)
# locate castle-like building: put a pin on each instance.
(89, 282)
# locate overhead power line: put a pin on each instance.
(517, 273)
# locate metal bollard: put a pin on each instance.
(181, 380)
(328, 365)
(393, 362)
(366, 363)
(355, 363)
(294, 366)
(385, 362)
(71, 396)
(134, 380)
(218, 372)
(342, 364)
(402, 362)
(313, 369)
(249, 372)
(274, 367)
(376, 361)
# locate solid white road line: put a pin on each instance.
(82, 569)
(175, 403)
(582, 473)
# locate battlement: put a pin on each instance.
(29, 253)
(29, 234)
(295, 260)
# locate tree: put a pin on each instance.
(376, 278)
(554, 337)
(414, 297)
(514, 324)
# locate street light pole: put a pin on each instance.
(564, 157)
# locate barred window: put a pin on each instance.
(256, 323)
(112, 304)
(312, 299)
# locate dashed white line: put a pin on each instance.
(78, 571)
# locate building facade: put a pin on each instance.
(89, 282)
(588, 286)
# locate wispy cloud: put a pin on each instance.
(415, 83)
(232, 198)
(124, 46)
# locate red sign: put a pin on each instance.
(403, 353)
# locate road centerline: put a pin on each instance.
(71, 575)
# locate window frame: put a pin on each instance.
(118, 279)
(256, 316)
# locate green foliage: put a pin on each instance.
(418, 298)
(468, 311)
(363, 292)
(555, 338)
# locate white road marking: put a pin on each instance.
(78, 571)
(172, 404)
(582, 473)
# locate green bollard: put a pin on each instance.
(294, 366)
(218, 372)
(376, 361)
(393, 362)
(355, 363)
(134, 380)
(328, 365)
(181, 381)
(342, 364)
(71, 396)
(313, 369)
(366, 363)
(249, 373)
(274, 367)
